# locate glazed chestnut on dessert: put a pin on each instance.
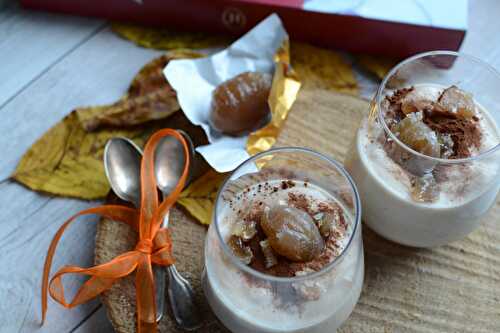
(284, 251)
(426, 160)
(239, 105)
(292, 233)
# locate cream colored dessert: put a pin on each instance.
(424, 202)
(285, 299)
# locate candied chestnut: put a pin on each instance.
(458, 101)
(410, 106)
(417, 135)
(239, 105)
(240, 250)
(246, 230)
(292, 233)
(269, 257)
(327, 221)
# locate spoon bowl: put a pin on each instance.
(122, 164)
(170, 160)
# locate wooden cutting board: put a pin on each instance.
(454, 288)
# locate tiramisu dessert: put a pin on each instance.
(287, 263)
(418, 166)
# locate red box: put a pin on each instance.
(399, 31)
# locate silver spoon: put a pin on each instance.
(122, 164)
(169, 164)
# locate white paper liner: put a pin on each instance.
(195, 79)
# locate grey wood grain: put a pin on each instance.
(98, 72)
(31, 42)
(27, 223)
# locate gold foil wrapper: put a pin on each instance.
(284, 91)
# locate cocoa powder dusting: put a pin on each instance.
(299, 201)
(394, 113)
(285, 267)
(287, 184)
(464, 132)
(253, 214)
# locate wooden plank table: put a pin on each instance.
(50, 64)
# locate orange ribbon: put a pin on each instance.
(154, 245)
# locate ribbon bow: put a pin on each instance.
(154, 245)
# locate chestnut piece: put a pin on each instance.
(292, 233)
(239, 105)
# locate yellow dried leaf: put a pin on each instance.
(199, 197)
(166, 39)
(322, 69)
(67, 160)
(149, 97)
(130, 111)
(378, 66)
(317, 67)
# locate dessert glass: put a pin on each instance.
(471, 184)
(248, 301)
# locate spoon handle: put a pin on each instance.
(182, 301)
(180, 295)
(160, 281)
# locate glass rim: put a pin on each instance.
(378, 98)
(357, 218)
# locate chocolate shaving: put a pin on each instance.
(399, 94)
(465, 133)
(394, 113)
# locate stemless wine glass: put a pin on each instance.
(248, 301)
(463, 189)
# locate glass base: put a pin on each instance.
(237, 324)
